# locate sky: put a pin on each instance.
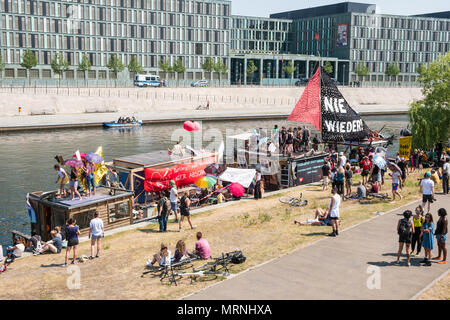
(263, 8)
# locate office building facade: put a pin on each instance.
(345, 34)
(150, 30)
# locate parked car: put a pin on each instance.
(201, 83)
(301, 81)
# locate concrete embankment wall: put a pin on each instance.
(34, 101)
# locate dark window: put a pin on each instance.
(198, 48)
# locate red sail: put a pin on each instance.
(308, 107)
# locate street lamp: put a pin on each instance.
(344, 75)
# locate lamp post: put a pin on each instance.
(343, 80)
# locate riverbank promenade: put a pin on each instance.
(66, 121)
(358, 264)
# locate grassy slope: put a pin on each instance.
(262, 229)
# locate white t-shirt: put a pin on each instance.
(20, 248)
(334, 211)
(342, 161)
(446, 167)
(396, 177)
(96, 226)
(62, 173)
(163, 260)
(173, 195)
(428, 186)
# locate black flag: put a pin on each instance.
(339, 121)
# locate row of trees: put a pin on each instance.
(393, 70)
(60, 65)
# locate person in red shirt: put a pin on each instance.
(365, 165)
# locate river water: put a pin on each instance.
(27, 159)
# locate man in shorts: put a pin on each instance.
(174, 199)
(427, 190)
(325, 174)
(54, 245)
(333, 209)
(96, 233)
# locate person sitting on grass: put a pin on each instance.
(202, 247)
(181, 252)
(360, 194)
(54, 245)
(163, 257)
(322, 218)
(15, 252)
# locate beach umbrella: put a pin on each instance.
(216, 169)
(379, 161)
(196, 126)
(393, 165)
(237, 189)
(206, 182)
(74, 163)
(189, 126)
(82, 155)
(94, 158)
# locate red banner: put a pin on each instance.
(183, 174)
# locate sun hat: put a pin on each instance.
(428, 174)
(172, 183)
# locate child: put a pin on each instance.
(63, 179)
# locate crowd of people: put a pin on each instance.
(127, 120)
(294, 140)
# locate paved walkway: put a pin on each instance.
(337, 268)
(96, 119)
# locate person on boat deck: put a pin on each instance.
(89, 169)
(163, 257)
(54, 245)
(322, 218)
(63, 179)
(74, 184)
(133, 119)
(177, 149)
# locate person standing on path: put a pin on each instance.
(72, 233)
(185, 203)
(396, 183)
(427, 190)
(333, 209)
(441, 235)
(445, 175)
(325, 175)
(96, 233)
(405, 230)
(163, 211)
(416, 238)
(174, 199)
(427, 238)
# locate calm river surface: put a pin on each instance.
(26, 160)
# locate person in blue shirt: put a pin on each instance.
(427, 238)
(54, 245)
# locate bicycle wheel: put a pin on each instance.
(295, 202)
(286, 199)
(205, 267)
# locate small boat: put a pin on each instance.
(122, 124)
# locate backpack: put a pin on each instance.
(404, 230)
(238, 258)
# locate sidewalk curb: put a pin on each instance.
(421, 292)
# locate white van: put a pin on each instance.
(147, 80)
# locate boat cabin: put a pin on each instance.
(115, 209)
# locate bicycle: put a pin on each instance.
(295, 202)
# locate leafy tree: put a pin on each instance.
(134, 66)
(115, 64)
(208, 65)
(430, 116)
(393, 70)
(178, 68)
(421, 69)
(328, 67)
(221, 68)
(84, 65)
(165, 67)
(59, 65)
(289, 68)
(29, 61)
(251, 69)
(362, 71)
